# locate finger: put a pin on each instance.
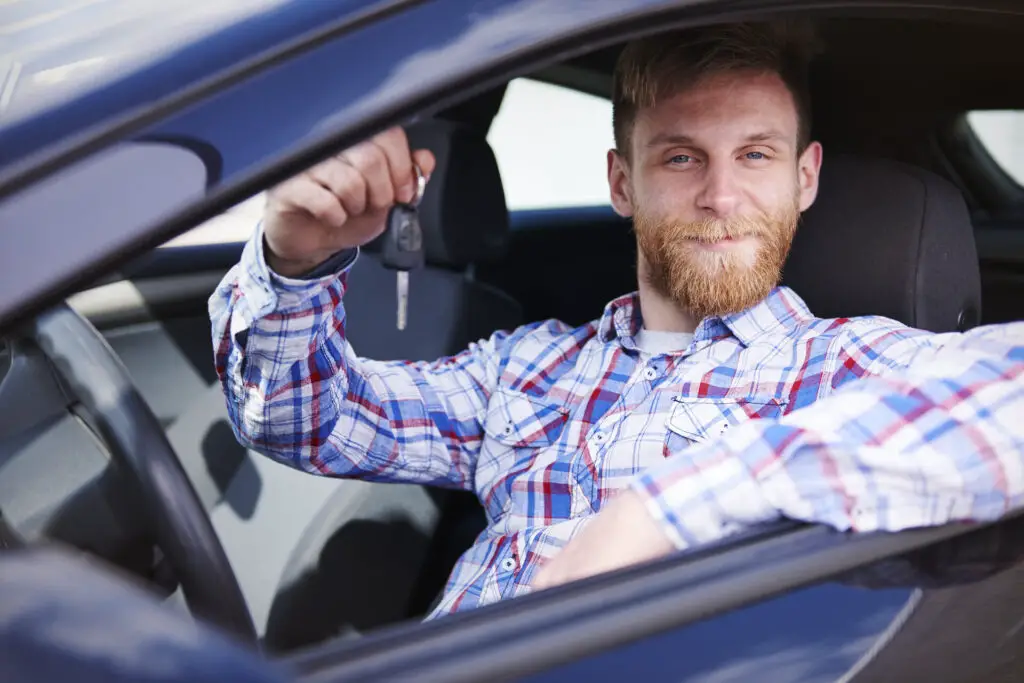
(344, 182)
(303, 194)
(424, 158)
(370, 161)
(395, 145)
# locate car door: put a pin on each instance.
(576, 623)
(786, 603)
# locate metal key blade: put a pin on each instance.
(403, 297)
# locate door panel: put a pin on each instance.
(814, 635)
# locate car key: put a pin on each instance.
(403, 245)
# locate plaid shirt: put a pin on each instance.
(545, 422)
(941, 440)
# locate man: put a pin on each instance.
(714, 163)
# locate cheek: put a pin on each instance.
(778, 192)
(664, 195)
(785, 193)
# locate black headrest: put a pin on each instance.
(885, 238)
(478, 111)
(463, 213)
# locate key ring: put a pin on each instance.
(421, 185)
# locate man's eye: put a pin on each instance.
(681, 159)
(756, 156)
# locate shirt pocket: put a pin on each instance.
(519, 471)
(697, 420)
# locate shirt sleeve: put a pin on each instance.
(297, 392)
(940, 440)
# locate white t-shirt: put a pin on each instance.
(657, 343)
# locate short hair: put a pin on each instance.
(659, 66)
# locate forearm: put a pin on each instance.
(941, 441)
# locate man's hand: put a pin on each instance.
(340, 203)
(622, 534)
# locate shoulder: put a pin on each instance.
(537, 354)
(871, 344)
(541, 333)
(546, 337)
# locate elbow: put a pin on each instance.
(295, 438)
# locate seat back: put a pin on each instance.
(465, 221)
(886, 238)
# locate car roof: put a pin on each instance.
(99, 59)
(53, 49)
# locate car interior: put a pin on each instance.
(915, 220)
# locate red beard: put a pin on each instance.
(715, 283)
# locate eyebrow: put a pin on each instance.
(685, 140)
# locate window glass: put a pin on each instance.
(551, 144)
(1002, 133)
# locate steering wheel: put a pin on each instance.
(95, 375)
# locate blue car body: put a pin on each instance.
(254, 95)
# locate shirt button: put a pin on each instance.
(600, 437)
(508, 429)
(508, 564)
(650, 373)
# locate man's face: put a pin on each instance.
(715, 185)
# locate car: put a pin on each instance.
(135, 141)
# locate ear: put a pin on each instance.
(808, 170)
(620, 184)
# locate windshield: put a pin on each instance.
(55, 48)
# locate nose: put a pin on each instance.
(719, 195)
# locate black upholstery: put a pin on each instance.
(447, 311)
(463, 212)
(885, 238)
(464, 221)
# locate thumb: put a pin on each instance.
(425, 159)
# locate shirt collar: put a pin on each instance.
(781, 311)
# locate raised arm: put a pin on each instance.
(295, 389)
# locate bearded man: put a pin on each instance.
(546, 423)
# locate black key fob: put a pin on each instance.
(403, 240)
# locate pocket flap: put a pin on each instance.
(705, 419)
(515, 419)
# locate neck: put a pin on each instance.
(660, 314)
